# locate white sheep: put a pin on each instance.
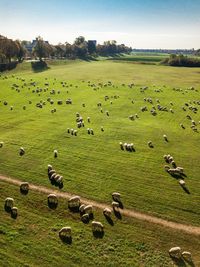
(107, 212)
(74, 202)
(97, 226)
(187, 256)
(88, 209)
(24, 187)
(65, 232)
(55, 152)
(116, 196)
(175, 252)
(115, 205)
(52, 199)
(9, 203)
(1, 144)
(21, 151)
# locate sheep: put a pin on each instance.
(165, 137)
(74, 203)
(175, 252)
(49, 167)
(115, 205)
(1, 144)
(107, 212)
(65, 232)
(88, 209)
(68, 130)
(50, 173)
(97, 226)
(52, 200)
(24, 188)
(91, 131)
(116, 196)
(150, 144)
(11, 107)
(55, 152)
(75, 132)
(107, 113)
(102, 129)
(180, 169)
(182, 126)
(14, 212)
(121, 145)
(85, 218)
(173, 164)
(21, 151)
(88, 119)
(88, 130)
(187, 256)
(181, 182)
(9, 203)
(81, 208)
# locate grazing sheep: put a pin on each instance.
(65, 232)
(115, 205)
(52, 199)
(173, 164)
(88, 119)
(107, 212)
(187, 256)
(102, 129)
(91, 131)
(180, 169)
(55, 152)
(81, 208)
(97, 226)
(21, 151)
(107, 113)
(24, 187)
(88, 130)
(1, 144)
(9, 203)
(181, 182)
(50, 173)
(74, 202)
(116, 196)
(165, 137)
(150, 144)
(175, 252)
(85, 218)
(14, 212)
(88, 209)
(49, 168)
(121, 145)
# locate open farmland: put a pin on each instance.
(94, 165)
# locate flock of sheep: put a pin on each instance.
(74, 203)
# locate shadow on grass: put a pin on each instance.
(66, 239)
(39, 66)
(109, 220)
(98, 234)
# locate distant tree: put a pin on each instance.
(197, 52)
(91, 47)
(60, 50)
(42, 49)
(21, 51)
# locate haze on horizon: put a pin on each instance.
(141, 23)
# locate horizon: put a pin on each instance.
(153, 24)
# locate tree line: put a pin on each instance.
(18, 50)
(181, 61)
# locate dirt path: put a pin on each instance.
(126, 212)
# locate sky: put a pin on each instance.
(156, 24)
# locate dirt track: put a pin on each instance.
(126, 212)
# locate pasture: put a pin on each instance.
(94, 165)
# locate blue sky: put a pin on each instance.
(137, 23)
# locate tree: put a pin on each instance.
(42, 49)
(21, 51)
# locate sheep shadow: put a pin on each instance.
(98, 234)
(109, 220)
(23, 192)
(52, 206)
(13, 215)
(74, 209)
(117, 214)
(185, 189)
(7, 209)
(178, 262)
(66, 239)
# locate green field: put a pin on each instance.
(94, 166)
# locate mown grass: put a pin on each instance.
(32, 239)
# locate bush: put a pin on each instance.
(181, 61)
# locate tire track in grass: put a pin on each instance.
(189, 229)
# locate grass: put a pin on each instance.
(94, 166)
(32, 239)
